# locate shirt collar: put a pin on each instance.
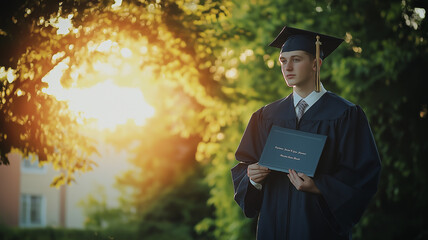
(311, 99)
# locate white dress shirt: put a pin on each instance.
(311, 99)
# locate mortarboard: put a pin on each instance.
(290, 39)
(319, 45)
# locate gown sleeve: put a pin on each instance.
(248, 152)
(349, 189)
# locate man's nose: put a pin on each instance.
(289, 66)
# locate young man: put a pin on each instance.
(293, 205)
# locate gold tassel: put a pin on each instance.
(317, 76)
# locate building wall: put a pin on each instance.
(38, 183)
(99, 183)
(10, 191)
(62, 206)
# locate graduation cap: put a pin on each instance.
(319, 45)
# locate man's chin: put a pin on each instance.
(290, 84)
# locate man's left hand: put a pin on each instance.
(302, 182)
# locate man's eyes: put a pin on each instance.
(294, 60)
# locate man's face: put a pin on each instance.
(298, 69)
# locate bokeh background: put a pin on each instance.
(153, 96)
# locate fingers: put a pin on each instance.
(256, 166)
(303, 182)
(258, 178)
(300, 180)
(295, 179)
(304, 176)
(257, 173)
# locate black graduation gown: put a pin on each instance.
(347, 173)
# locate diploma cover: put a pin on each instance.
(292, 149)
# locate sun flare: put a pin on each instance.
(107, 103)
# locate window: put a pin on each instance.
(32, 212)
(31, 165)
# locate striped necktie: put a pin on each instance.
(301, 106)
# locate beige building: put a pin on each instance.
(27, 200)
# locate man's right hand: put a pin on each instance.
(257, 173)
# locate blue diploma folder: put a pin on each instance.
(292, 149)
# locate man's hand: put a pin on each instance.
(302, 182)
(257, 173)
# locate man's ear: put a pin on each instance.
(314, 67)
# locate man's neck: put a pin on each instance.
(310, 99)
(303, 92)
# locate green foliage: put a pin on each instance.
(380, 67)
(228, 221)
(99, 215)
(180, 209)
(386, 79)
(7, 233)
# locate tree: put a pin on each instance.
(174, 58)
(34, 122)
(31, 120)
